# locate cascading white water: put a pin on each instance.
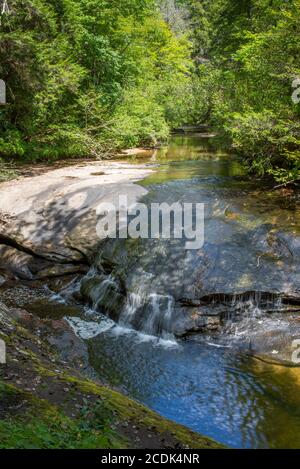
(135, 301)
(150, 313)
(140, 308)
(159, 318)
(103, 290)
(245, 312)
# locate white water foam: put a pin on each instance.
(141, 337)
(151, 311)
(88, 330)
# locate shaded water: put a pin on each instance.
(208, 382)
(216, 391)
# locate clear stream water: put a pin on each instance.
(210, 382)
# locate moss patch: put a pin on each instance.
(43, 425)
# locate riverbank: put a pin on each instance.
(47, 403)
(48, 234)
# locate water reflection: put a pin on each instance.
(188, 157)
(235, 399)
(252, 243)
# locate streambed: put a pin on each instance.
(181, 330)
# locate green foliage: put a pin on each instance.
(88, 77)
(44, 426)
(85, 77)
(138, 120)
(253, 56)
(269, 144)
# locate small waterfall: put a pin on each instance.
(248, 311)
(141, 309)
(135, 302)
(156, 314)
(159, 317)
(237, 304)
(150, 313)
(103, 292)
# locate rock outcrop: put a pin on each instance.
(53, 216)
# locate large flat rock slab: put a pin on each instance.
(53, 215)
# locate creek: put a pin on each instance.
(194, 334)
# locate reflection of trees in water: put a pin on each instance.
(277, 402)
(244, 401)
(235, 403)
